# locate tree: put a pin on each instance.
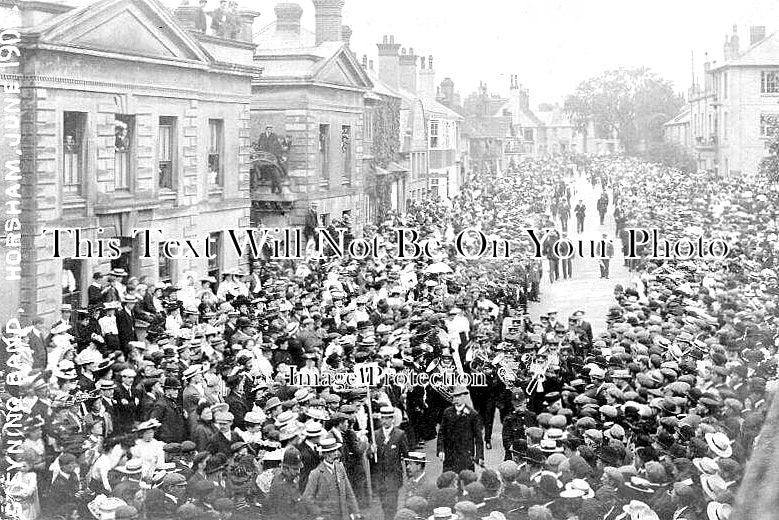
(769, 166)
(632, 103)
(672, 155)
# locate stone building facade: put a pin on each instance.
(311, 92)
(130, 123)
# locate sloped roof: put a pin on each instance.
(136, 27)
(765, 52)
(683, 117)
(433, 107)
(381, 88)
(269, 38)
(328, 62)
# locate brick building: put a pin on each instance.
(130, 120)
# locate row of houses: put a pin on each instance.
(730, 115)
(499, 130)
(191, 123)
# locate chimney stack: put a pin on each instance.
(346, 34)
(389, 61)
(427, 80)
(756, 34)
(731, 48)
(288, 18)
(447, 91)
(408, 70)
(328, 14)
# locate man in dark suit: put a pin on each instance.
(169, 413)
(387, 467)
(224, 438)
(460, 437)
(584, 326)
(96, 291)
(309, 456)
(269, 142)
(125, 322)
(219, 18)
(127, 401)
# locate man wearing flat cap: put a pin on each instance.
(460, 436)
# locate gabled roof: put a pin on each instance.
(520, 116)
(381, 88)
(329, 62)
(434, 108)
(124, 27)
(763, 53)
(683, 117)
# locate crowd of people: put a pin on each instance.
(204, 400)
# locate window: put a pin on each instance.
(346, 150)
(124, 130)
(73, 133)
(215, 146)
(769, 125)
(433, 134)
(164, 266)
(769, 82)
(725, 126)
(215, 260)
(725, 85)
(434, 188)
(324, 152)
(528, 134)
(165, 146)
(368, 124)
(72, 270)
(125, 256)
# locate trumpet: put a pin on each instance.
(537, 369)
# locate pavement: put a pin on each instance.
(585, 290)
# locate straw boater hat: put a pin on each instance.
(131, 467)
(718, 511)
(416, 456)
(151, 424)
(103, 507)
(329, 444)
(442, 513)
(720, 444)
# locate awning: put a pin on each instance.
(392, 167)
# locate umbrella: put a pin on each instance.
(438, 268)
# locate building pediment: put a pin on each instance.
(132, 27)
(341, 68)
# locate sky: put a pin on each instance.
(551, 45)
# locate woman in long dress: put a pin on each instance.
(147, 448)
